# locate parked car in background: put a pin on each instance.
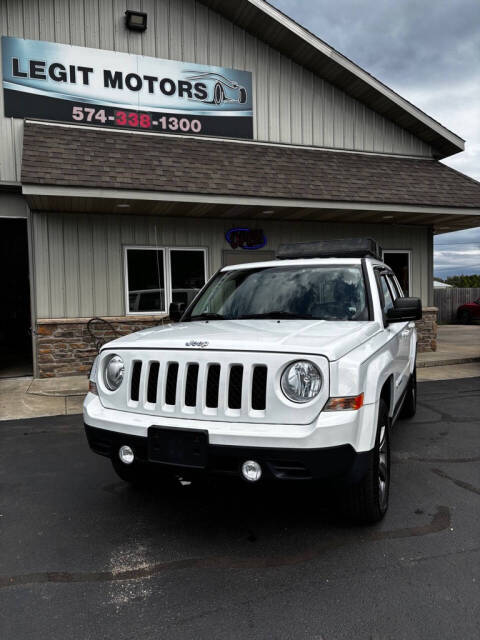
(469, 312)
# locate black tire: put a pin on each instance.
(140, 475)
(243, 96)
(134, 473)
(465, 317)
(366, 502)
(409, 407)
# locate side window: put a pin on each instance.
(387, 296)
(187, 270)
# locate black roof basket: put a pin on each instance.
(340, 248)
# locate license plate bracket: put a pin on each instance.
(178, 447)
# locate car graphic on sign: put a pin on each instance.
(220, 89)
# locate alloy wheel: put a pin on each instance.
(383, 467)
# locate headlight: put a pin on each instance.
(113, 374)
(301, 381)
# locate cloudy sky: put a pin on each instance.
(429, 52)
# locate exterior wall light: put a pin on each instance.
(135, 20)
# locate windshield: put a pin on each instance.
(316, 292)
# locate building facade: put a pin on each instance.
(136, 162)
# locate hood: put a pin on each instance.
(320, 337)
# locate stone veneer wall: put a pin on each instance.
(427, 330)
(66, 346)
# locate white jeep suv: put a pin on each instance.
(293, 369)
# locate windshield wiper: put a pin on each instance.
(208, 316)
(275, 315)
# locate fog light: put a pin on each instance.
(251, 471)
(125, 454)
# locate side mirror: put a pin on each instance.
(405, 310)
(176, 311)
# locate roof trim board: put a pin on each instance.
(200, 198)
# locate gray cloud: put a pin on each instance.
(429, 52)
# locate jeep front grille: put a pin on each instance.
(210, 385)
(189, 385)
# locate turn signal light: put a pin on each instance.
(352, 403)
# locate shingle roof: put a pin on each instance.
(81, 157)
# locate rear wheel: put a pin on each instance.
(465, 317)
(242, 96)
(366, 502)
(409, 407)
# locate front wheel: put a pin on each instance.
(409, 407)
(366, 502)
(464, 317)
(139, 475)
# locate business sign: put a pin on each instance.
(52, 81)
(246, 238)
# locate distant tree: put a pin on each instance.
(464, 282)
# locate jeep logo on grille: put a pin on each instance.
(197, 343)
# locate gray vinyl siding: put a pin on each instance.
(291, 104)
(78, 258)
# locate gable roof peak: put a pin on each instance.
(281, 32)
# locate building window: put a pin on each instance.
(156, 276)
(187, 268)
(399, 262)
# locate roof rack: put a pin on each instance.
(339, 248)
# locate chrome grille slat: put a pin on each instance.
(223, 390)
(246, 386)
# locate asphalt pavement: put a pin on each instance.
(84, 556)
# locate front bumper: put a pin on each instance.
(329, 429)
(337, 463)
